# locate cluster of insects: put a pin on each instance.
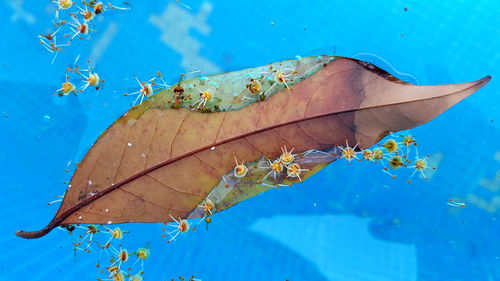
(208, 94)
(280, 168)
(88, 77)
(259, 85)
(207, 91)
(278, 77)
(260, 88)
(75, 21)
(394, 153)
(180, 226)
(105, 240)
(149, 87)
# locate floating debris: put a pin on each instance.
(46, 118)
(75, 17)
(60, 198)
(456, 203)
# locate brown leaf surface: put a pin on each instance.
(161, 164)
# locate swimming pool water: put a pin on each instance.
(346, 223)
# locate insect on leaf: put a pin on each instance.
(166, 156)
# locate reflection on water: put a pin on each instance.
(342, 247)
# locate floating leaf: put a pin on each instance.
(167, 156)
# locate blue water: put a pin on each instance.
(346, 223)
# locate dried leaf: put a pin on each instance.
(162, 159)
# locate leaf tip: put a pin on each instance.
(483, 81)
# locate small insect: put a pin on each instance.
(68, 227)
(115, 233)
(378, 154)
(207, 206)
(61, 197)
(456, 203)
(142, 255)
(112, 269)
(66, 88)
(409, 141)
(49, 42)
(178, 89)
(240, 170)
(49, 36)
(205, 96)
(396, 162)
(87, 15)
(145, 91)
(391, 145)
(90, 231)
(420, 165)
(286, 156)
(63, 4)
(180, 225)
(367, 155)
(294, 170)
(99, 7)
(255, 87)
(276, 167)
(163, 84)
(78, 29)
(117, 276)
(121, 256)
(349, 153)
(281, 78)
(92, 79)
